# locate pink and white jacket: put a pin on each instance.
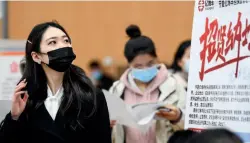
(164, 88)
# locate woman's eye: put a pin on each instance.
(66, 40)
(150, 64)
(52, 42)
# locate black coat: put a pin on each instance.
(105, 82)
(41, 128)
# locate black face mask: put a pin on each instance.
(61, 59)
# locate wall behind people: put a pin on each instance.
(97, 29)
(1, 28)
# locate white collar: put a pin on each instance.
(52, 103)
(58, 94)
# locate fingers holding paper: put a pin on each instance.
(112, 123)
(173, 114)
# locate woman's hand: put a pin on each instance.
(173, 115)
(19, 103)
(112, 123)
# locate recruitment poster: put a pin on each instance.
(11, 52)
(219, 79)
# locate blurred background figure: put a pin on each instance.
(22, 65)
(99, 77)
(180, 65)
(215, 136)
(181, 136)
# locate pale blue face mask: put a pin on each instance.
(145, 75)
(186, 66)
(96, 75)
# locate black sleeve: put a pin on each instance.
(11, 130)
(102, 125)
(106, 82)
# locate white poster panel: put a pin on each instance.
(219, 76)
(11, 53)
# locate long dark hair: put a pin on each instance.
(219, 135)
(78, 89)
(181, 136)
(179, 54)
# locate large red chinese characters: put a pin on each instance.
(218, 41)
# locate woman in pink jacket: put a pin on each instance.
(147, 80)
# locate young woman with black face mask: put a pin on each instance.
(55, 102)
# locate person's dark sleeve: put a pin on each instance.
(102, 120)
(106, 82)
(11, 130)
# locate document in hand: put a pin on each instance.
(138, 116)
